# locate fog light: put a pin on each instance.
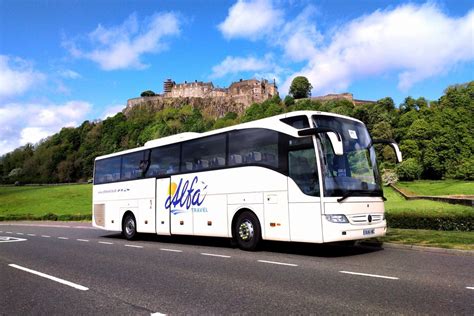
(337, 218)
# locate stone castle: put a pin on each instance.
(216, 101)
(244, 92)
(236, 98)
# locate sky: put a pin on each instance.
(66, 61)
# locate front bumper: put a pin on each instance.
(339, 232)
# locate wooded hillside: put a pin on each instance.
(435, 137)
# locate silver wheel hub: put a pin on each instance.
(246, 230)
(130, 227)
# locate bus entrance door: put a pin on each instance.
(163, 187)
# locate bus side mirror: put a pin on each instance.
(336, 143)
(392, 143)
(334, 137)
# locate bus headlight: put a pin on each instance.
(337, 218)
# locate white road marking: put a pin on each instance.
(214, 255)
(63, 238)
(20, 234)
(84, 240)
(32, 235)
(370, 275)
(106, 243)
(50, 277)
(11, 239)
(9, 232)
(170, 250)
(84, 227)
(157, 314)
(45, 236)
(470, 287)
(279, 263)
(133, 246)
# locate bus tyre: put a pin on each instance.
(129, 227)
(247, 231)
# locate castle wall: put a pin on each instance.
(245, 92)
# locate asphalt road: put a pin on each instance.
(109, 274)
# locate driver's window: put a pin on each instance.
(303, 170)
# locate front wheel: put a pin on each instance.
(129, 227)
(247, 231)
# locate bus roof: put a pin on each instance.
(273, 122)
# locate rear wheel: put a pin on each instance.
(129, 227)
(247, 231)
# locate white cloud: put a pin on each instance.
(69, 74)
(300, 37)
(17, 76)
(251, 19)
(110, 111)
(234, 65)
(122, 46)
(415, 41)
(29, 123)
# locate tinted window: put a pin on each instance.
(303, 170)
(298, 122)
(253, 146)
(107, 170)
(164, 160)
(205, 153)
(133, 166)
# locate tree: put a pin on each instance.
(409, 170)
(147, 93)
(300, 88)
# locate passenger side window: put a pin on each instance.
(133, 166)
(164, 161)
(205, 153)
(303, 170)
(253, 146)
(107, 170)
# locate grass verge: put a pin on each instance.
(397, 205)
(437, 188)
(431, 238)
(61, 202)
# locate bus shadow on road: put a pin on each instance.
(330, 250)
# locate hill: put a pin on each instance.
(436, 138)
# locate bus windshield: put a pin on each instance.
(355, 172)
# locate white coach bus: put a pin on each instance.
(303, 176)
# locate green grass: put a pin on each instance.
(431, 238)
(396, 204)
(37, 201)
(436, 188)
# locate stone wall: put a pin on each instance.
(245, 92)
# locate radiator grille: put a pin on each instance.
(363, 219)
(99, 214)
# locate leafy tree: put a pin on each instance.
(147, 93)
(300, 87)
(289, 101)
(409, 170)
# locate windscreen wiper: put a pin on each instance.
(361, 193)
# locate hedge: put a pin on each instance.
(414, 221)
(46, 217)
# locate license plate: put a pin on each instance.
(370, 231)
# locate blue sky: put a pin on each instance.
(62, 62)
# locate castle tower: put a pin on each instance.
(168, 85)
